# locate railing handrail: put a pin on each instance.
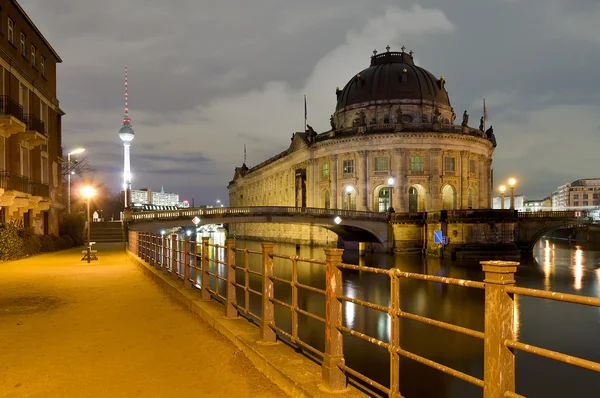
(180, 258)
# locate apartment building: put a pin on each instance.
(30, 125)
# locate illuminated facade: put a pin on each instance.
(147, 196)
(393, 119)
(583, 193)
(30, 125)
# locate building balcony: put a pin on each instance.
(11, 117)
(35, 131)
(15, 182)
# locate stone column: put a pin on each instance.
(399, 171)
(464, 180)
(362, 182)
(333, 168)
(436, 171)
(483, 181)
(316, 188)
(311, 184)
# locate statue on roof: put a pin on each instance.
(332, 122)
(465, 121)
(482, 124)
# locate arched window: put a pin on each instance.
(326, 199)
(470, 198)
(383, 199)
(448, 198)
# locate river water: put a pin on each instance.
(567, 328)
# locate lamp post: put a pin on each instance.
(502, 190)
(349, 193)
(73, 152)
(511, 183)
(391, 183)
(88, 192)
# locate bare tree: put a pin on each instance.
(79, 167)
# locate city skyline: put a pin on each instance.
(244, 82)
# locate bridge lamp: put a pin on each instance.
(337, 220)
(88, 192)
(511, 183)
(349, 193)
(391, 181)
(188, 232)
(502, 190)
(163, 232)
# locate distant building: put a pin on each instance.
(534, 205)
(584, 193)
(147, 196)
(519, 202)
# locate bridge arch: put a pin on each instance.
(530, 243)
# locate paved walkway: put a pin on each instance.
(72, 329)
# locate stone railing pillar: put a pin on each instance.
(498, 359)
(187, 248)
(165, 255)
(334, 378)
(230, 299)
(268, 311)
(174, 256)
(205, 293)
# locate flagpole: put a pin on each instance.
(304, 112)
(484, 115)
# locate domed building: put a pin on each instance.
(393, 136)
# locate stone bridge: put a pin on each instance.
(467, 231)
(357, 226)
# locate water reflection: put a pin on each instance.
(567, 328)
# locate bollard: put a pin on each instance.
(230, 300)
(187, 247)
(498, 359)
(268, 311)
(205, 294)
(174, 258)
(334, 378)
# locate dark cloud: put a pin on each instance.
(207, 77)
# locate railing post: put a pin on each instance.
(152, 259)
(230, 310)
(165, 250)
(158, 241)
(174, 256)
(394, 334)
(205, 293)
(333, 377)
(268, 311)
(498, 359)
(187, 247)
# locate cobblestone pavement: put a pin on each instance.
(73, 329)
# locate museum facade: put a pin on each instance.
(393, 142)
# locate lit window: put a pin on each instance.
(348, 166)
(471, 166)
(382, 164)
(576, 196)
(11, 31)
(43, 65)
(33, 55)
(449, 164)
(325, 170)
(23, 43)
(416, 163)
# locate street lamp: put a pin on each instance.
(88, 192)
(73, 152)
(348, 192)
(391, 183)
(511, 183)
(502, 190)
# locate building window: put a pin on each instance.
(576, 204)
(382, 164)
(585, 196)
(11, 31)
(471, 166)
(43, 65)
(325, 170)
(449, 164)
(33, 55)
(23, 43)
(416, 163)
(576, 196)
(348, 166)
(595, 196)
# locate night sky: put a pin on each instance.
(207, 77)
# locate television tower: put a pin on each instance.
(126, 135)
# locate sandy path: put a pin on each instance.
(72, 329)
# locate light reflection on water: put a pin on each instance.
(567, 328)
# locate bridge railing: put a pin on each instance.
(549, 214)
(191, 261)
(251, 211)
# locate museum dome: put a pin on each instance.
(393, 76)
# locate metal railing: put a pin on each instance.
(9, 106)
(549, 214)
(23, 184)
(253, 211)
(37, 188)
(498, 336)
(35, 124)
